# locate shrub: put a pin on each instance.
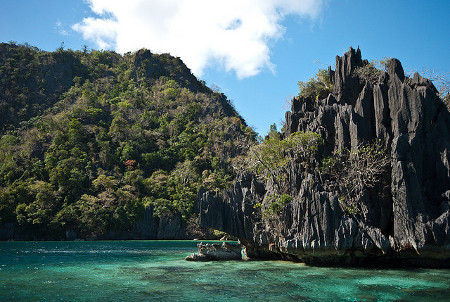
(317, 87)
(272, 157)
(273, 206)
(271, 212)
(353, 171)
(372, 71)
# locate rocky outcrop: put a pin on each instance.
(214, 252)
(406, 221)
(150, 226)
(146, 227)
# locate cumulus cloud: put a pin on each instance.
(233, 33)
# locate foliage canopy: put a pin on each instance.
(318, 87)
(89, 138)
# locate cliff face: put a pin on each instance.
(406, 221)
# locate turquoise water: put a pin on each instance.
(157, 271)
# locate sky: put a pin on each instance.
(255, 51)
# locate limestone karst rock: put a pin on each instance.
(215, 252)
(406, 221)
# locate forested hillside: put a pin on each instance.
(89, 139)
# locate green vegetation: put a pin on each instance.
(272, 157)
(275, 205)
(89, 138)
(271, 211)
(272, 160)
(317, 87)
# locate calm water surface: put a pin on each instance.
(157, 271)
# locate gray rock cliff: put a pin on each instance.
(406, 221)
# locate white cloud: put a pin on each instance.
(102, 31)
(232, 33)
(60, 29)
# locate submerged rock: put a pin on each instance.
(214, 251)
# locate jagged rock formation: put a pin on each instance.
(214, 252)
(404, 222)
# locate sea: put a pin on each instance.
(157, 271)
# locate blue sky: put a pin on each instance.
(255, 51)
